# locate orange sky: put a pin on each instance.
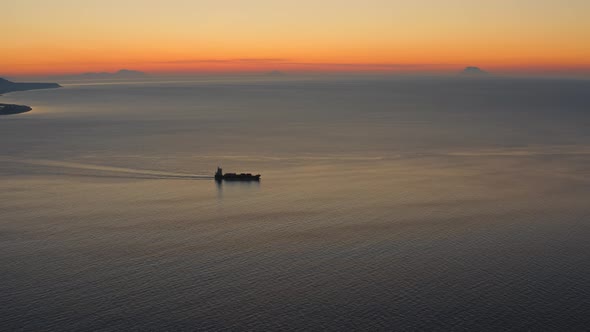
(173, 36)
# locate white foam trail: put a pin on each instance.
(65, 164)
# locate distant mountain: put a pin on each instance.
(474, 71)
(121, 74)
(8, 86)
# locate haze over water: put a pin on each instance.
(384, 204)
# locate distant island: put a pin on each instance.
(474, 71)
(121, 74)
(8, 86)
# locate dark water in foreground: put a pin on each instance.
(384, 205)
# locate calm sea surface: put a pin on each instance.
(385, 204)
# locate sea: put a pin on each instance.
(385, 203)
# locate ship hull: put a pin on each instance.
(238, 178)
(219, 176)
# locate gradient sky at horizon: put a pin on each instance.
(70, 36)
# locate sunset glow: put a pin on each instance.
(178, 36)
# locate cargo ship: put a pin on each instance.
(219, 176)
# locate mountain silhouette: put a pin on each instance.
(8, 86)
(121, 74)
(474, 71)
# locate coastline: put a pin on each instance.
(8, 86)
(9, 109)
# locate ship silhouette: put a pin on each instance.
(219, 176)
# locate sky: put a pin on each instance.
(194, 36)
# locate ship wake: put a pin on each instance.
(107, 171)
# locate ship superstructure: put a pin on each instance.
(219, 176)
